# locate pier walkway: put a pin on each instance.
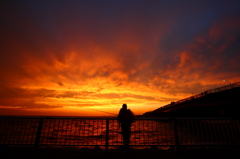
(117, 154)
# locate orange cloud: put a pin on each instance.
(87, 58)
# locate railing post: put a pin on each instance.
(38, 134)
(107, 135)
(175, 134)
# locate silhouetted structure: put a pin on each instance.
(125, 118)
(219, 102)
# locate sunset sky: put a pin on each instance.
(82, 57)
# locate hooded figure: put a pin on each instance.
(125, 118)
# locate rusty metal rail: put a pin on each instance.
(74, 131)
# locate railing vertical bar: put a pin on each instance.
(220, 131)
(84, 134)
(87, 131)
(38, 135)
(171, 134)
(223, 123)
(74, 131)
(168, 134)
(146, 132)
(102, 130)
(153, 138)
(69, 123)
(149, 131)
(209, 129)
(179, 132)
(63, 133)
(165, 131)
(8, 124)
(236, 136)
(59, 132)
(71, 137)
(139, 128)
(42, 133)
(198, 133)
(189, 131)
(14, 131)
(93, 122)
(231, 133)
(201, 133)
(196, 130)
(216, 136)
(157, 132)
(22, 131)
(69, 132)
(77, 132)
(237, 132)
(192, 131)
(228, 134)
(174, 121)
(185, 132)
(29, 130)
(107, 135)
(54, 127)
(79, 122)
(25, 124)
(143, 134)
(133, 135)
(140, 133)
(48, 131)
(32, 131)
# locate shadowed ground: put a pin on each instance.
(10, 153)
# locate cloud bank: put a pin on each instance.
(73, 55)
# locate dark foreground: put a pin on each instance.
(229, 153)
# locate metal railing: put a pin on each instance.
(61, 131)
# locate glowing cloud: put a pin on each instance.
(78, 58)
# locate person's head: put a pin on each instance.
(124, 106)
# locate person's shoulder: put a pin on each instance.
(129, 110)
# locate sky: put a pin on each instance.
(88, 57)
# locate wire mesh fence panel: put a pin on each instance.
(208, 132)
(73, 132)
(18, 131)
(103, 131)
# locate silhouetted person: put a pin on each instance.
(125, 118)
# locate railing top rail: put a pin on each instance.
(56, 117)
(115, 118)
